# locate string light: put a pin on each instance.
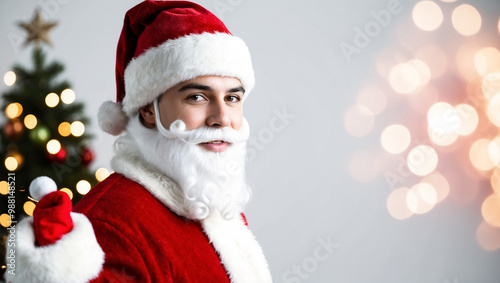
(52, 99)
(427, 15)
(466, 20)
(13, 110)
(28, 207)
(487, 61)
(397, 204)
(5, 220)
(395, 138)
(64, 129)
(30, 121)
(4, 187)
(101, 174)
(53, 146)
(68, 96)
(11, 163)
(9, 78)
(77, 128)
(491, 85)
(479, 155)
(422, 160)
(83, 187)
(67, 191)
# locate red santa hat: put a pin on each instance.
(164, 43)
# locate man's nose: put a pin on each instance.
(218, 116)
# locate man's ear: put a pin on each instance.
(148, 116)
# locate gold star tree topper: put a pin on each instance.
(38, 30)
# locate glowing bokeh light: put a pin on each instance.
(363, 166)
(83, 187)
(449, 1)
(52, 99)
(11, 163)
(466, 20)
(488, 237)
(101, 174)
(468, 119)
(397, 204)
(68, 96)
(359, 121)
(421, 198)
(5, 220)
(13, 110)
(53, 146)
(465, 61)
(441, 138)
(395, 138)
(495, 181)
(494, 110)
(494, 151)
(30, 121)
(372, 98)
(77, 128)
(443, 118)
(9, 78)
(427, 15)
(487, 60)
(439, 183)
(4, 187)
(479, 155)
(435, 58)
(491, 85)
(67, 191)
(28, 207)
(422, 160)
(491, 210)
(64, 129)
(405, 78)
(423, 70)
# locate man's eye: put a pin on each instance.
(195, 97)
(233, 98)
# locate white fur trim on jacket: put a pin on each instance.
(239, 251)
(76, 257)
(185, 58)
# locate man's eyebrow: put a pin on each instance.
(195, 86)
(208, 88)
(236, 89)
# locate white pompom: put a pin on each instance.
(178, 126)
(41, 187)
(111, 118)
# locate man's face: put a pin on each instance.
(211, 101)
(210, 108)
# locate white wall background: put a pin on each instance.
(305, 194)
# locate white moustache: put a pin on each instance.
(206, 134)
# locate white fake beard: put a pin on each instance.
(208, 180)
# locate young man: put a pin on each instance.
(172, 212)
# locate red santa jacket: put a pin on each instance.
(144, 241)
(131, 229)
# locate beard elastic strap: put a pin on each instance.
(178, 126)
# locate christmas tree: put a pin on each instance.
(44, 133)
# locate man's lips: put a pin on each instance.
(216, 146)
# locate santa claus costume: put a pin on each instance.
(137, 226)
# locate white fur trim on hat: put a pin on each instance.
(76, 257)
(185, 58)
(111, 118)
